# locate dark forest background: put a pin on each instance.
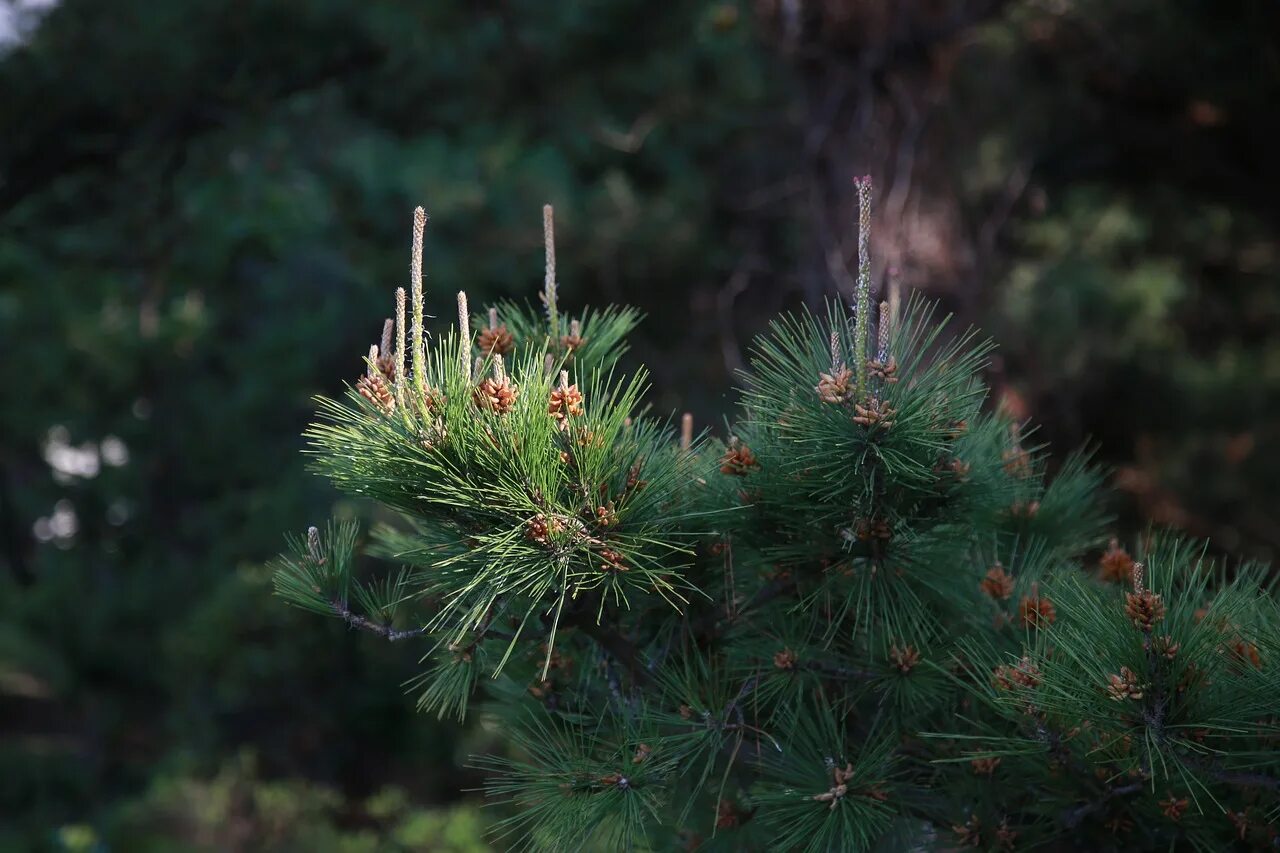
(205, 207)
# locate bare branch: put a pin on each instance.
(388, 633)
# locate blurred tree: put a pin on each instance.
(1090, 180)
(237, 809)
(1140, 272)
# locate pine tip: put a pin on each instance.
(313, 543)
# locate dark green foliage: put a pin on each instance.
(1106, 723)
(860, 623)
(817, 757)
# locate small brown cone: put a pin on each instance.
(905, 658)
(886, 371)
(1037, 611)
(565, 402)
(375, 388)
(738, 460)
(984, 766)
(876, 413)
(497, 340)
(969, 833)
(998, 583)
(1116, 565)
(785, 659)
(574, 340)
(495, 394)
(1173, 807)
(1143, 607)
(1022, 674)
(835, 387)
(1124, 686)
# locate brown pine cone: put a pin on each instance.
(495, 395)
(565, 402)
(727, 816)
(431, 402)
(539, 528)
(998, 583)
(387, 367)
(612, 561)
(496, 340)
(1023, 674)
(875, 413)
(738, 461)
(1005, 837)
(1144, 608)
(884, 371)
(984, 766)
(905, 658)
(377, 390)
(1167, 647)
(1037, 612)
(835, 387)
(873, 528)
(1124, 686)
(1116, 564)
(968, 834)
(574, 339)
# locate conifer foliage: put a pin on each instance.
(865, 619)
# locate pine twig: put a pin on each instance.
(549, 283)
(1231, 777)
(1073, 817)
(415, 284)
(862, 320)
(355, 620)
(622, 649)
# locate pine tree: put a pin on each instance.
(866, 619)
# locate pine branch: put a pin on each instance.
(714, 621)
(355, 620)
(836, 671)
(1230, 777)
(1246, 780)
(1073, 817)
(767, 593)
(622, 649)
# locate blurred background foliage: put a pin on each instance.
(205, 207)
